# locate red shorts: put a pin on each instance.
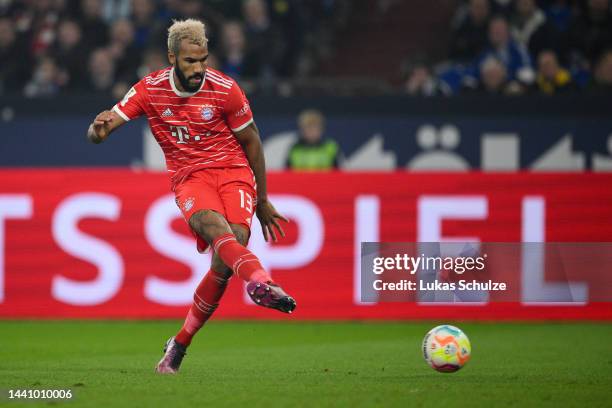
(228, 191)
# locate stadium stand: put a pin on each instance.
(288, 47)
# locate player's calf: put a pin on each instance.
(205, 301)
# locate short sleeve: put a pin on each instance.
(133, 103)
(237, 110)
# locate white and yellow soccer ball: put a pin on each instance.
(446, 348)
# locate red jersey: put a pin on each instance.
(194, 130)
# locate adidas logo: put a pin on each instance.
(167, 113)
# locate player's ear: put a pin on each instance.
(171, 57)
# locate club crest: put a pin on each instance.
(188, 204)
(207, 113)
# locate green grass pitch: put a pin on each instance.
(306, 364)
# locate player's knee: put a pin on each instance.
(199, 220)
(207, 224)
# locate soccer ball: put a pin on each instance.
(446, 348)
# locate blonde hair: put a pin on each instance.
(190, 29)
(311, 117)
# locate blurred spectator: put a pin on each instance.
(70, 53)
(502, 7)
(101, 71)
(288, 16)
(123, 50)
(420, 81)
(47, 79)
(235, 61)
(274, 45)
(94, 28)
(493, 76)
(209, 11)
(256, 17)
(6, 7)
(44, 16)
(264, 40)
(170, 9)
(559, 14)
(591, 32)
(192, 9)
(469, 33)
(312, 151)
(116, 9)
(230, 9)
(320, 21)
(512, 55)
(153, 60)
(143, 19)
(602, 80)
(552, 78)
(530, 28)
(13, 69)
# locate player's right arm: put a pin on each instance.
(131, 106)
(103, 125)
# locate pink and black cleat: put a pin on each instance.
(173, 356)
(270, 295)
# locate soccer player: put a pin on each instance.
(203, 123)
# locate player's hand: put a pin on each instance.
(102, 124)
(268, 217)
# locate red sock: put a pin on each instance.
(205, 301)
(241, 260)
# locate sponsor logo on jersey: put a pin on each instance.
(243, 111)
(167, 113)
(188, 204)
(207, 113)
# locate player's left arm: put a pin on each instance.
(103, 125)
(267, 214)
(131, 107)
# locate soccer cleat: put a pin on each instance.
(173, 356)
(270, 295)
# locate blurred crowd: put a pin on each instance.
(51, 47)
(514, 47)
(508, 47)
